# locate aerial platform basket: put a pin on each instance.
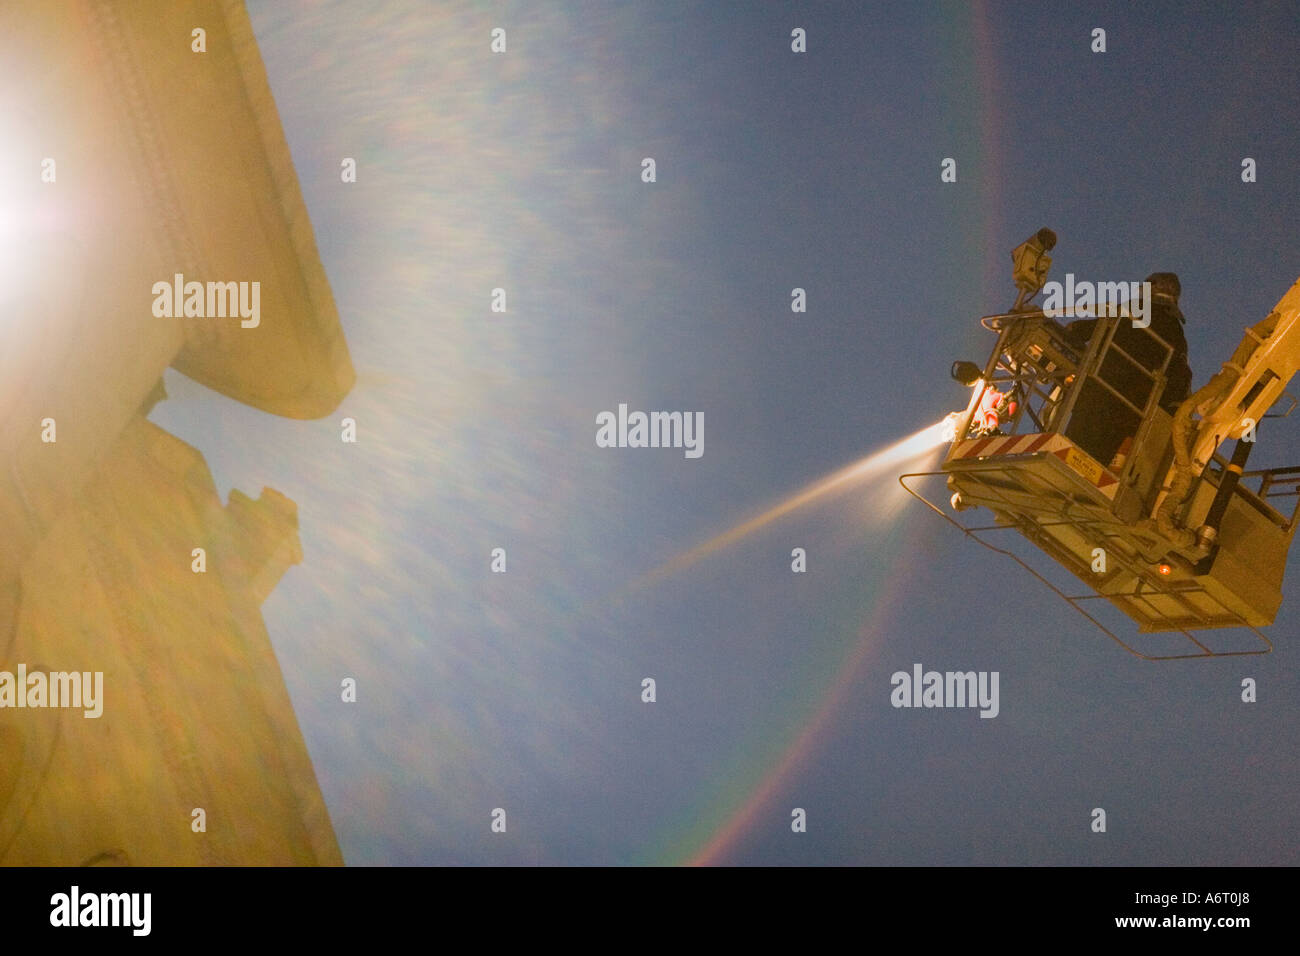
(1212, 557)
(1056, 500)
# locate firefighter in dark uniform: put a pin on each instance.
(1100, 422)
(1166, 322)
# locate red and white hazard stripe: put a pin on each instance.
(1000, 446)
(1003, 445)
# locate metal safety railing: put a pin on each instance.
(1047, 370)
(1178, 591)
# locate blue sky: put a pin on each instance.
(775, 170)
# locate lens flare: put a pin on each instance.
(873, 466)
